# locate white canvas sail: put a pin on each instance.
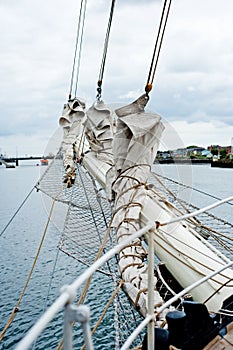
(99, 131)
(134, 149)
(71, 121)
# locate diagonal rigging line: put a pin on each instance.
(16, 308)
(116, 291)
(187, 186)
(92, 214)
(194, 220)
(17, 211)
(100, 251)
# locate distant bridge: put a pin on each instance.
(7, 165)
(6, 160)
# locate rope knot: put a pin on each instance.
(157, 224)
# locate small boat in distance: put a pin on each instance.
(44, 161)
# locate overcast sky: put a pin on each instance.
(193, 89)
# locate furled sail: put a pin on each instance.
(99, 131)
(134, 149)
(71, 121)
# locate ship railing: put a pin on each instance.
(81, 313)
(168, 303)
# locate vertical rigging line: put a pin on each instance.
(80, 46)
(101, 72)
(76, 48)
(158, 44)
(164, 27)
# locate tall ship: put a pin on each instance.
(166, 263)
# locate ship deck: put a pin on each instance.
(222, 343)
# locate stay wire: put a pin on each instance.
(105, 50)
(49, 290)
(192, 188)
(76, 48)
(12, 218)
(16, 308)
(80, 47)
(164, 27)
(158, 45)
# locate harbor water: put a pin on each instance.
(20, 241)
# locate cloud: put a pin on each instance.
(179, 134)
(193, 81)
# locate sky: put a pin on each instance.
(193, 84)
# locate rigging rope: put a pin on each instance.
(212, 232)
(79, 55)
(12, 218)
(158, 44)
(101, 73)
(87, 284)
(187, 186)
(80, 23)
(99, 253)
(16, 308)
(49, 288)
(115, 292)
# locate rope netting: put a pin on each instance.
(89, 212)
(88, 218)
(215, 227)
(52, 179)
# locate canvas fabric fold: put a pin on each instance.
(135, 146)
(99, 131)
(71, 121)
